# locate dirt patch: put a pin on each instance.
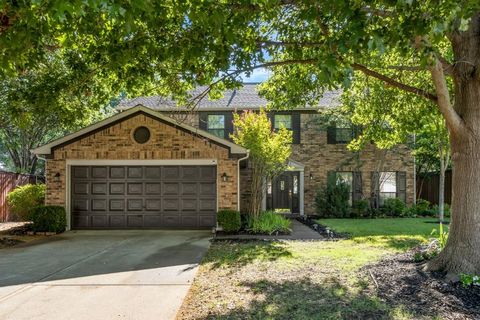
(400, 281)
(6, 242)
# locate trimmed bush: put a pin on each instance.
(421, 208)
(393, 207)
(22, 200)
(360, 208)
(229, 220)
(49, 219)
(331, 200)
(269, 222)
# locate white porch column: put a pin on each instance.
(302, 192)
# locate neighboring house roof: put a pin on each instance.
(47, 148)
(246, 97)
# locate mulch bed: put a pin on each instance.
(321, 229)
(400, 281)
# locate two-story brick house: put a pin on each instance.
(156, 165)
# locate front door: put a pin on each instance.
(283, 195)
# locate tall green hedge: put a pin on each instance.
(49, 219)
(22, 200)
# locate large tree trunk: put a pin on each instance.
(462, 252)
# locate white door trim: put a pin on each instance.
(102, 162)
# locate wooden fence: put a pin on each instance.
(8, 182)
(428, 187)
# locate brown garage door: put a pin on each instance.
(122, 197)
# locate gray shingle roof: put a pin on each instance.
(245, 97)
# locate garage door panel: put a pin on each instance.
(135, 172)
(206, 221)
(153, 173)
(171, 220)
(134, 188)
(152, 221)
(170, 173)
(99, 172)
(189, 188)
(99, 204)
(208, 173)
(117, 204)
(134, 221)
(153, 205)
(81, 188)
(80, 172)
(81, 221)
(99, 221)
(99, 188)
(117, 172)
(207, 204)
(81, 204)
(189, 220)
(134, 204)
(189, 173)
(171, 204)
(152, 188)
(117, 221)
(189, 205)
(117, 188)
(207, 189)
(118, 197)
(171, 188)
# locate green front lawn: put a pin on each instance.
(396, 233)
(302, 279)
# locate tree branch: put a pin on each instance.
(452, 119)
(394, 83)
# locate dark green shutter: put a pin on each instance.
(203, 120)
(375, 186)
(402, 185)
(296, 128)
(228, 125)
(331, 135)
(331, 177)
(357, 186)
(271, 117)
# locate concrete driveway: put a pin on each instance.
(100, 275)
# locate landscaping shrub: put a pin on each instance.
(22, 200)
(433, 212)
(229, 220)
(331, 200)
(269, 222)
(360, 208)
(421, 208)
(49, 219)
(393, 207)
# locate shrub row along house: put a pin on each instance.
(156, 165)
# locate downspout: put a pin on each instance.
(238, 178)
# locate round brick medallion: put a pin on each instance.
(141, 135)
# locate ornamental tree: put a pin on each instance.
(269, 151)
(170, 46)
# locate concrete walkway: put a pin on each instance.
(299, 232)
(101, 275)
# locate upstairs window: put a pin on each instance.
(216, 125)
(340, 134)
(283, 121)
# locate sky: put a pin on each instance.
(257, 75)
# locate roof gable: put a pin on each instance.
(49, 147)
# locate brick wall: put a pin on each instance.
(166, 142)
